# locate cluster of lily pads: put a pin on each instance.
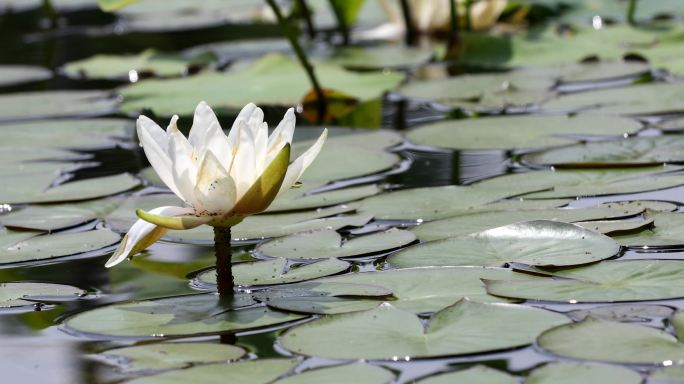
(354, 274)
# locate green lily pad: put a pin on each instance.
(298, 199)
(171, 355)
(67, 133)
(232, 50)
(17, 74)
(629, 313)
(57, 216)
(463, 328)
(617, 227)
(23, 246)
(327, 243)
(518, 131)
(44, 104)
(628, 152)
(573, 373)
(119, 66)
(272, 80)
(359, 373)
(667, 231)
(188, 315)
(23, 161)
(478, 222)
(380, 57)
(540, 243)
(594, 71)
(649, 205)
(601, 340)
(261, 371)
(20, 294)
(667, 375)
(429, 289)
(276, 271)
(478, 374)
(607, 281)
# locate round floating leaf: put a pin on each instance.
(429, 289)
(630, 313)
(67, 133)
(667, 375)
(277, 271)
(607, 281)
(617, 227)
(667, 231)
(233, 50)
(16, 74)
(44, 104)
(176, 316)
(478, 222)
(19, 294)
(463, 328)
(272, 80)
(23, 246)
(358, 373)
(58, 216)
(478, 374)
(326, 243)
(572, 373)
(595, 339)
(539, 243)
(651, 205)
(602, 70)
(380, 57)
(518, 131)
(171, 355)
(297, 199)
(627, 152)
(261, 371)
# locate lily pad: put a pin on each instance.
(188, 315)
(20, 294)
(296, 199)
(17, 74)
(327, 243)
(617, 227)
(478, 374)
(272, 80)
(607, 281)
(359, 373)
(57, 216)
(44, 104)
(463, 328)
(67, 133)
(629, 313)
(171, 355)
(649, 205)
(539, 243)
(572, 373)
(596, 71)
(673, 374)
(276, 271)
(380, 57)
(601, 340)
(621, 153)
(24, 246)
(667, 231)
(518, 131)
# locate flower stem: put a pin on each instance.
(341, 22)
(631, 12)
(454, 38)
(306, 15)
(408, 22)
(291, 35)
(224, 267)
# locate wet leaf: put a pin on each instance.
(20, 294)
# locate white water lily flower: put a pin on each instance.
(434, 15)
(221, 178)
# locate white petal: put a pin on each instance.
(143, 234)
(155, 143)
(204, 119)
(215, 189)
(184, 168)
(283, 133)
(243, 169)
(244, 115)
(297, 168)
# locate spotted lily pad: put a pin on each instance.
(20, 294)
(539, 243)
(188, 315)
(359, 373)
(67, 133)
(171, 355)
(572, 373)
(326, 243)
(44, 104)
(463, 328)
(17, 74)
(478, 374)
(518, 131)
(607, 281)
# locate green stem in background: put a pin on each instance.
(468, 22)
(408, 22)
(224, 266)
(631, 12)
(341, 22)
(454, 39)
(291, 35)
(306, 15)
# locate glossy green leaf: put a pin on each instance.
(37, 188)
(67, 133)
(20, 294)
(299, 198)
(667, 231)
(57, 216)
(51, 104)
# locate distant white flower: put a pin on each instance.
(434, 15)
(222, 179)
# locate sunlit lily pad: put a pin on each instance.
(326, 243)
(463, 328)
(602, 70)
(540, 243)
(57, 216)
(272, 80)
(23, 161)
(261, 371)
(573, 373)
(595, 339)
(358, 373)
(176, 316)
(171, 355)
(620, 153)
(67, 133)
(17, 74)
(668, 375)
(298, 199)
(23, 246)
(44, 104)
(380, 57)
(518, 131)
(607, 281)
(277, 271)
(617, 227)
(478, 374)
(650, 205)
(20, 294)
(37, 188)
(629, 313)
(667, 231)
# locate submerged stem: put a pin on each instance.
(224, 267)
(631, 12)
